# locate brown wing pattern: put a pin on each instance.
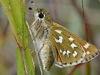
(69, 49)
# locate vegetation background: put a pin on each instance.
(67, 13)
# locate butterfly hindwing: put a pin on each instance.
(68, 48)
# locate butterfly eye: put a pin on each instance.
(41, 15)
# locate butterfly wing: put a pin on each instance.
(69, 49)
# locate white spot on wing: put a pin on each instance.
(74, 54)
(68, 52)
(58, 31)
(59, 40)
(87, 52)
(73, 45)
(60, 51)
(84, 53)
(71, 39)
(64, 52)
(86, 45)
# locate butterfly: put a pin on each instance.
(56, 44)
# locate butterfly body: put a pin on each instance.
(57, 44)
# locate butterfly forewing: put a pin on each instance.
(70, 49)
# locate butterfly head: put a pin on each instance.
(41, 14)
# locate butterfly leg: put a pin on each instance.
(34, 23)
(32, 37)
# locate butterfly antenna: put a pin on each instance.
(30, 8)
(34, 4)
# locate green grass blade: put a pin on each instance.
(19, 63)
(15, 12)
(29, 62)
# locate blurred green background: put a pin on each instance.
(67, 13)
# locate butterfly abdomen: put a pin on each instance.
(47, 57)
